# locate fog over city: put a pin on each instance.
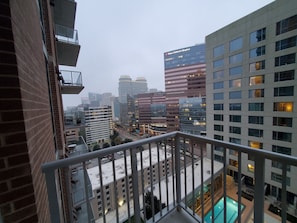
(129, 37)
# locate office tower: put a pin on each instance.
(98, 125)
(184, 78)
(129, 87)
(32, 127)
(251, 90)
(94, 99)
(151, 113)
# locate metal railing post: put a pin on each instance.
(135, 186)
(177, 172)
(52, 196)
(259, 189)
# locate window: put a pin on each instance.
(237, 58)
(235, 106)
(285, 60)
(284, 75)
(256, 93)
(235, 95)
(218, 85)
(218, 63)
(218, 107)
(235, 71)
(235, 83)
(283, 106)
(234, 129)
(282, 121)
(218, 74)
(219, 128)
(258, 79)
(218, 117)
(233, 162)
(218, 96)
(278, 178)
(255, 145)
(234, 140)
(284, 91)
(286, 25)
(256, 52)
(218, 148)
(234, 118)
(251, 168)
(286, 43)
(256, 120)
(218, 158)
(279, 165)
(218, 51)
(258, 36)
(218, 137)
(236, 44)
(281, 149)
(260, 65)
(255, 132)
(256, 106)
(282, 136)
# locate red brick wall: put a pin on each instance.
(26, 133)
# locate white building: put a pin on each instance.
(98, 124)
(150, 172)
(251, 89)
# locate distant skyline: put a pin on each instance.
(130, 37)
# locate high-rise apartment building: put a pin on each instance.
(98, 124)
(251, 89)
(33, 44)
(184, 78)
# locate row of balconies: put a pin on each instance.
(67, 45)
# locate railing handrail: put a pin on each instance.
(51, 166)
(290, 160)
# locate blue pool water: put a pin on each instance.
(232, 211)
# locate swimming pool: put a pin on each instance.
(232, 211)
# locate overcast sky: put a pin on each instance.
(129, 37)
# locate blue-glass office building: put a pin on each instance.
(185, 57)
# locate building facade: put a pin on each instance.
(151, 110)
(98, 125)
(192, 115)
(32, 127)
(184, 77)
(251, 89)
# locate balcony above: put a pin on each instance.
(67, 45)
(71, 82)
(64, 12)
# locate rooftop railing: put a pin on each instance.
(175, 173)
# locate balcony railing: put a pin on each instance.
(67, 34)
(71, 82)
(175, 173)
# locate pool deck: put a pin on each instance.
(247, 213)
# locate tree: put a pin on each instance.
(148, 205)
(96, 147)
(106, 144)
